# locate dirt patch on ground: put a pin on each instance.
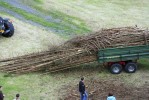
(98, 89)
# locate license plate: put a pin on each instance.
(1, 31)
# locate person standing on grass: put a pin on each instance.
(17, 97)
(111, 97)
(83, 94)
(1, 94)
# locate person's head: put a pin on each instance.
(17, 95)
(0, 87)
(110, 94)
(82, 79)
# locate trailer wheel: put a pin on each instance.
(131, 67)
(116, 68)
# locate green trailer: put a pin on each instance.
(121, 58)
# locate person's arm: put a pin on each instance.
(1, 95)
(114, 98)
(83, 88)
(80, 87)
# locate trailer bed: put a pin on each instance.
(123, 53)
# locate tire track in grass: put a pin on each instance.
(2, 9)
(74, 22)
(56, 26)
(31, 17)
(28, 9)
(16, 15)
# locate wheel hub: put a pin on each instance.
(131, 68)
(116, 69)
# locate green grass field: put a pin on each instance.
(65, 25)
(51, 86)
(86, 16)
(103, 13)
(27, 39)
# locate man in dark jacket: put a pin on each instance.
(1, 94)
(83, 94)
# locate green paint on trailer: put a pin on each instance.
(123, 53)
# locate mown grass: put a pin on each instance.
(53, 86)
(143, 64)
(38, 1)
(66, 19)
(40, 87)
(27, 39)
(100, 13)
(37, 87)
(10, 86)
(104, 13)
(66, 27)
(29, 16)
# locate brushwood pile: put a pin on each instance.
(76, 51)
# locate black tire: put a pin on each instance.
(11, 28)
(131, 67)
(116, 68)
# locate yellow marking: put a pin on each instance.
(1, 31)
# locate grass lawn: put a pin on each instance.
(51, 86)
(28, 38)
(104, 13)
(66, 24)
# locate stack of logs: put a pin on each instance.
(77, 51)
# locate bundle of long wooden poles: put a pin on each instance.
(115, 37)
(79, 50)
